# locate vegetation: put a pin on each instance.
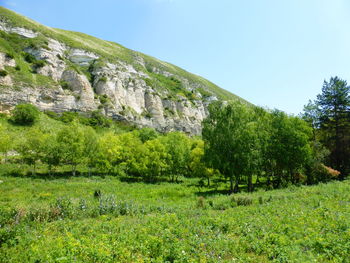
(80, 187)
(3, 73)
(25, 114)
(329, 117)
(94, 219)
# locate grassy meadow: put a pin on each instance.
(94, 219)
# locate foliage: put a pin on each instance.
(61, 220)
(25, 114)
(334, 118)
(3, 73)
(6, 142)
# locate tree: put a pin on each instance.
(230, 141)
(311, 114)
(178, 149)
(197, 165)
(90, 151)
(51, 151)
(109, 152)
(25, 114)
(155, 159)
(31, 147)
(146, 134)
(71, 143)
(334, 107)
(6, 142)
(289, 145)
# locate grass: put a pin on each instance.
(107, 51)
(62, 220)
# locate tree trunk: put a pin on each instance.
(74, 167)
(231, 184)
(250, 183)
(236, 189)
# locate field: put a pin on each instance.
(94, 219)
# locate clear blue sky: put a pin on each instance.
(273, 53)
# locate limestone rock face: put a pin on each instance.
(18, 30)
(6, 81)
(5, 60)
(118, 89)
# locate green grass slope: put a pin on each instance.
(60, 220)
(107, 50)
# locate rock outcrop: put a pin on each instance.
(85, 81)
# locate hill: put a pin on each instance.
(60, 70)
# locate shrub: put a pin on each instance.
(103, 79)
(18, 68)
(39, 64)
(244, 201)
(25, 114)
(65, 85)
(98, 119)
(29, 57)
(201, 202)
(97, 194)
(52, 114)
(10, 56)
(104, 99)
(68, 116)
(3, 73)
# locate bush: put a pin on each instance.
(52, 115)
(65, 85)
(104, 99)
(10, 56)
(29, 57)
(39, 64)
(103, 79)
(98, 119)
(68, 116)
(25, 114)
(3, 73)
(244, 201)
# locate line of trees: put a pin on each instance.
(244, 141)
(243, 144)
(140, 153)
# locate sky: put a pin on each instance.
(273, 53)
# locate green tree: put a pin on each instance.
(71, 142)
(178, 149)
(311, 114)
(230, 142)
(25, 114)
(334, 107)
(30, 147)
(6, 141)
(197, 165)
(109, 152)
(146, 134)
(91, 149)
(290, 146)
(51, 151)
(155, 159)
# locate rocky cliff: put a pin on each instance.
(59, 70)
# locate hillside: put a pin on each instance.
(59, 70)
